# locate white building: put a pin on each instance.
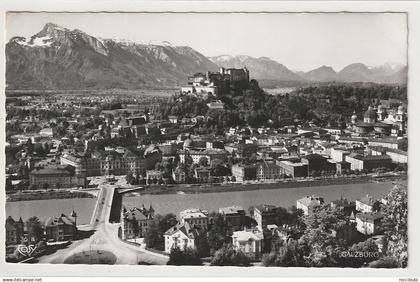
(196, 155)
(48, 132)
(248, 242)
(308, 203)
(216, 105)
(368, 223)
(367, 204)
(268, 170)
(393, 143)
(361, 162)
(194, 217)
(200, 89)
(397, 156)
(338, 154)
(180, 236)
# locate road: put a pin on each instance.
(105, 237)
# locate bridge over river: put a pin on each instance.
(105, 224)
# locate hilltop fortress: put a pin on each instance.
(217, 83)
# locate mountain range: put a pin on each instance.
(59, 58)
(265, 68)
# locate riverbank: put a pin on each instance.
(235, 187)
(202, 188)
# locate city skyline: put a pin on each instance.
(370, 38)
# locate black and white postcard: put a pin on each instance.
(233, 139)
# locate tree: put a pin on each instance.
(186, 257)
(324, 248)
(29, 146)
(136, 227)
(34, 227)
(159, 166)
(9, 185)
(296, 217)
(153, 237)
(217, 234)
(282, 216)
(202, 244)
(395, 224)
(188, 160)
(360, 254)
(45, 186)
(203, 161)
(291, 254)
(165, 222)
(218, 169)
(228, 256)
(276, 242)
(129, 177)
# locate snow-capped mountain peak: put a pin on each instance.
(60, 58)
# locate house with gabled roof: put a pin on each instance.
(367, 204)
(249, 242)
(308, 203)
(182, 236)
(264, 215)
(62, 228)
(135, 222)
(14, 231)
(195, 217)
(368, 223)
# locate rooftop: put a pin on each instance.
(367, 200)
(387, 140)
(294, 164)
(245, 236)
(266, 208)
(386, 149)
(136, 214)
(61, 220)
(203, 151)
(193, 213)
(372, 158)
(311, 201)
(369, 216)
(231, 210)
(313, 157)
(185, 228)
(51, 171)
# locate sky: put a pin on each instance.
(300, 41)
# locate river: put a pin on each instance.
(284, 197)
(174, 203)
(52, 208)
